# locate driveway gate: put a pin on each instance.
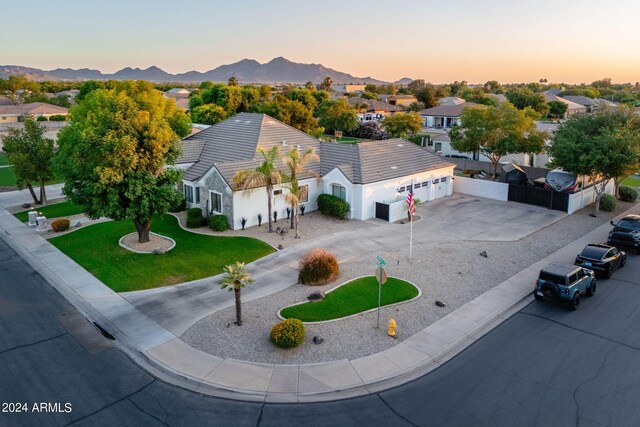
(539, 197)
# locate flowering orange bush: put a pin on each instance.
(287, 334)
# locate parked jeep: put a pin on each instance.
(565, 283)
(626, 233)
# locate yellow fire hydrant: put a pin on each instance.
(392, 328)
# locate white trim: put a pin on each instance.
(210, 205)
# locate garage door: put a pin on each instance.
(440, 187)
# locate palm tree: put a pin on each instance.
(326, 83)
(266, 175)
(236, 277)
(295, 164)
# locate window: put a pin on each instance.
(339, 191)
(438, 146)
(277, 192)
(580, 274)
(197, 194)
(425, 183)
(401, 190)
(188, 193)
(443, 179)
(436, 181)
(573, 278)
(304, 190)
(215, 200)
(416, 185)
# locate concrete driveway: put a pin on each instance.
(454, 218)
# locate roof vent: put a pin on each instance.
(298, 146)
(394, 167)
(237, 121)
(400, 145)
(248, 121)
(284, 142)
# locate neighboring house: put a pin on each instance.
(178, 91)
(499, 98)
(16, 113)
(591, 104)
(359, 173)
(71, 93)
(572, 107)
(553, 92)
(181, 96)
(372, 110)
(444, 116)
(441, 144)
(402, 100)
(451, 100)
(348, 88)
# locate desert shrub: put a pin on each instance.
(287, 334)
(61, 224)
(180, 205)
(318, 267)
(42, 119)
(332, 205)
(607, 203)
(57, 118)
(218, 222)
(628, 194)
(195, 218)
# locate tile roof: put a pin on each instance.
(231, 145)
(451, 100)
(191, 149)
(447, 110)
(582, 100)
(374, 105)
(374, 161)
(32, 108)
(571, 106)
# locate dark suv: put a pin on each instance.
(603, 259)
(565, 283)
(626, 233)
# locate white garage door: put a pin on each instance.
(440, 187)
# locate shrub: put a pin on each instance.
(57, 118)
(195, 218)
(218, 222)
(628, 194)
(607, 203)
(318, 267)
(61, 224)
(42, 119)
(180, 205)
(334, 206)
(287, 334)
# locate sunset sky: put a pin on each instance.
(506, 40)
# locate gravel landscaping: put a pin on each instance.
(452, 272)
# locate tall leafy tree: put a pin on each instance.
(235, 278)
(557, 109)
(114, 154)
(522, 98)
(496, 132)
(208, 114)
(326, 83)
(31, 155)
(337, 115)
(233, 81)
(602, 146)
(295, 164)
(402, 125)
(266, 175)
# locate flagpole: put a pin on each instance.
(411, 225)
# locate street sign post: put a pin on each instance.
(381, 276)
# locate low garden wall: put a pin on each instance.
(587, 196)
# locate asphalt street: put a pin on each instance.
(544, 366)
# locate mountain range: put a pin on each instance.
(278, 70)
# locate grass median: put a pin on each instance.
(195, 256)
(57, 210)
(354, 297)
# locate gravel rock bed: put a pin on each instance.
(452, 272)
(156, 242)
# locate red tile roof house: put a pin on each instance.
(362, 174)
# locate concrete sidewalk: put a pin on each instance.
(169, 358)
(18, 197)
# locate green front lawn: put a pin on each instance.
(7, 177)
(631, 182)
(354, 297)
(3, 159)
(195, 256)
(53, 211)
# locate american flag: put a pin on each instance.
(412, 207)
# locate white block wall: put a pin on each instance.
(481, 188)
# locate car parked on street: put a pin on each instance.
(626, 233)
(603, 259)
(565, 283)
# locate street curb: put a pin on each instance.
(408, 360)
